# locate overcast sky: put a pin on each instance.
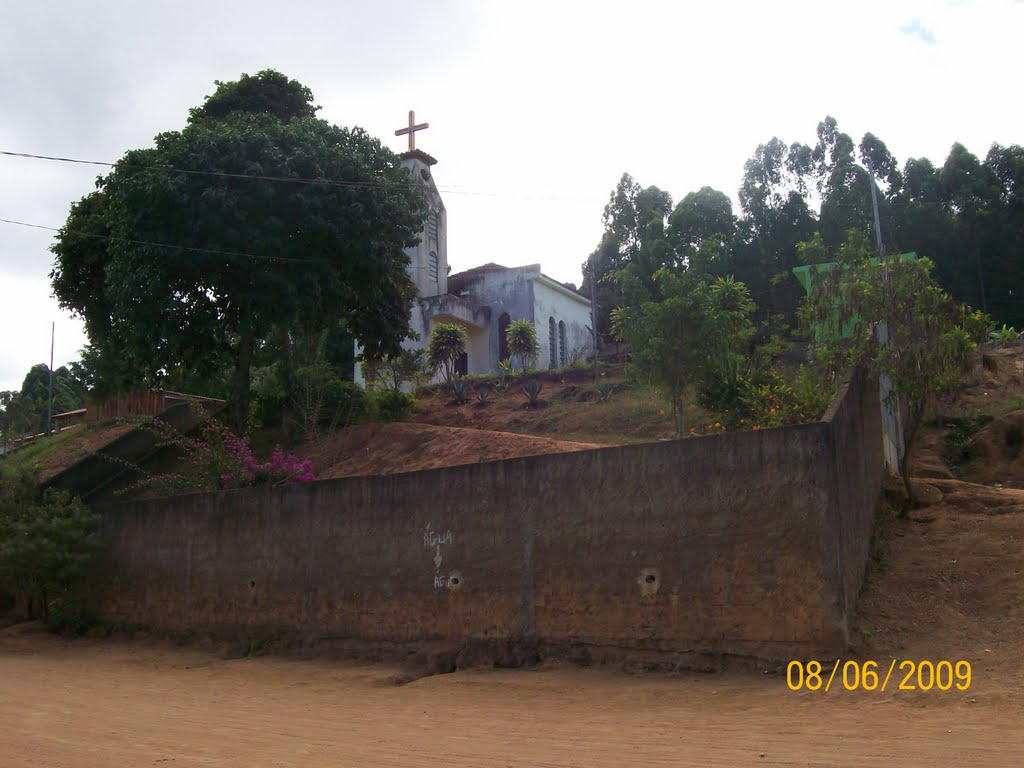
(535, 109)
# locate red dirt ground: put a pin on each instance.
(383, 449)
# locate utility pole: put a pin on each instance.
(593, 319)
(49, 389)
(874, 205)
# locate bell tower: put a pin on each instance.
(428, 260)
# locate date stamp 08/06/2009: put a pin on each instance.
(869, 676)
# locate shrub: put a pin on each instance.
(344, 402)
(69, 616)
(724, 384)
(47, 547)
(1004, 336)
(392, 371)
(220, 459)
(393, 405)
(506, 375)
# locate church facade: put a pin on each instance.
(486, 299)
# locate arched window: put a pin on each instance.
(563, 353)
(503, 323)
(432, 267)
(552, 346)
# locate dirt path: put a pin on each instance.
(101, 703)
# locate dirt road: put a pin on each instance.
(95, 703)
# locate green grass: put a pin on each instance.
(30, 458)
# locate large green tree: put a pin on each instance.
(633, 247)
(903, 327)
(255, 219)
(674, 340)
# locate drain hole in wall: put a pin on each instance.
(252, 584)
(455, 580)
(651, 578)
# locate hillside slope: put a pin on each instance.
(387, 448)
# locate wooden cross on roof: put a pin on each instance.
(411, 130)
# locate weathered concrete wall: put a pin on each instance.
(554, 301)
(750, 543)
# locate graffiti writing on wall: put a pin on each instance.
(433, 540)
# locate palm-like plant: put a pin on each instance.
(521, 337)
(447, 344)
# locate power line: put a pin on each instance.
(225, 174)
(163, 245)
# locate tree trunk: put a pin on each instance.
(243, 364)
(287, 382)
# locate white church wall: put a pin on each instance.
(554, 301)
(504, 291)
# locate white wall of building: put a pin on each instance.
(551, 300)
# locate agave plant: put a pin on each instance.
(532, 389)
(460, 389)
(483, 390)
(605, 390)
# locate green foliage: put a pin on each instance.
(393, 371)
(69, 616)
(604, 391)
(633, 247)
(959, 448)
(532, 389)
(216, 458)
(24, 412)
(771, 401)
(1004, 336)
(267, 92)
(48, 545)
(460, 388)
(483, 389)
(345, 403)
(675, 340)
(977, 325)
(448, 343)
(506, 375)
(724, 384)
(521, 338)
(393, 405)
(322, 399)
(904, 328)
(200, 268)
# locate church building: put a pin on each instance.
(486, 299)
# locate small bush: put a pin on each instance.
(959, 447)
(345, 402)
(1004, 336)
(393, 405)
(69, 616)
(724, 384)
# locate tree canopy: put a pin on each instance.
(966, 214)
(257, 217)
(903, 328)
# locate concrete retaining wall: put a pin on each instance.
(748, 543)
